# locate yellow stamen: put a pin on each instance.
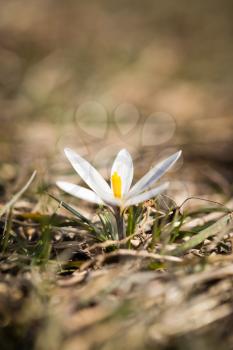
(116, 185)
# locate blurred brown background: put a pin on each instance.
(151, 76)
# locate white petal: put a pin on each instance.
(123, 165)
(86, 194)
(146, 195)
(79, 192)
(153, 175)
(88, 173)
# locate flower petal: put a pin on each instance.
(86, 194)
(146, 195)
(88, 173)
(153, 175)
(79, 192)
(123, 165)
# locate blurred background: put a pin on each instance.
(96, 76)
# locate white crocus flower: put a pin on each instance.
(120, 194)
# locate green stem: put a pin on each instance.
(120, 223)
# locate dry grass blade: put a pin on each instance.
(126, 253)
(144, 254)
(110, 243)
(17, 195)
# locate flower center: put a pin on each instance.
(116, 185)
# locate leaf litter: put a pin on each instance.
(64, 278)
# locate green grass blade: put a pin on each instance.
(71, 209)
(224, 224)
(81, 219)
